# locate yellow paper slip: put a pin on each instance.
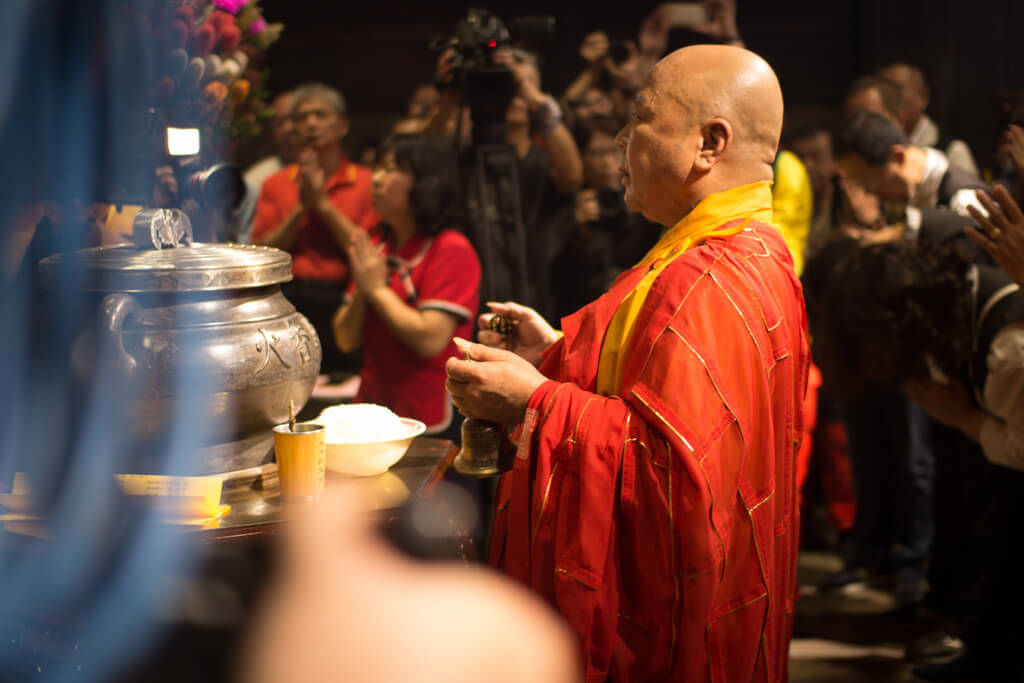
(187, 501)
(199, 522)
(186, 498)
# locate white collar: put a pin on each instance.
(926, 194)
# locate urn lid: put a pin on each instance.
(163, 258)
(196, 268)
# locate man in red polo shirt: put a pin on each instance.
(312, 208)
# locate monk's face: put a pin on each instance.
(660, 144)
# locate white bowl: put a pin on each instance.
(367, 458)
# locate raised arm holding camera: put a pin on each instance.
(594, 51)
(544, 119)
(609, 78)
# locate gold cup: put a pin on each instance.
(301, 460)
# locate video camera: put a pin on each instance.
(486, 86)
(131, 181)
(489, 167)
(220, 185)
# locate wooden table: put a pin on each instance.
(236, 563)
(257, 508)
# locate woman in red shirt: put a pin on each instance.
(415, 285)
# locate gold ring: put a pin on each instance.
(995, 234)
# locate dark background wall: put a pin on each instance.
(376, 52)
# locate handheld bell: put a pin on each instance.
(486, 449)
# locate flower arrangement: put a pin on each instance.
(212, 71)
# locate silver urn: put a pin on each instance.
(206, 324)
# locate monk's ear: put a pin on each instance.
(716, 138)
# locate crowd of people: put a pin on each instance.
(541, 205)
(911, 296)
(909, 260)
(718, 318)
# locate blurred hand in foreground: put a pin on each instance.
(346, 607)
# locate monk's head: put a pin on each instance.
(708, 118)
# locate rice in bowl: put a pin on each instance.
(361, 423)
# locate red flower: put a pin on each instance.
(186, 15)
(220, 20)
(230, 37)
(203, 40)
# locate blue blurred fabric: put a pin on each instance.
(73, 77)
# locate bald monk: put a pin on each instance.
(652, 496)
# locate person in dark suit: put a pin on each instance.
(935, 193)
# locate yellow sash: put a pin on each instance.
(753, 202)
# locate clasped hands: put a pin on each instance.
(313, 196)
(494, 383)
(368, 266)
(311, 180)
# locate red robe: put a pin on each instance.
(662, 522)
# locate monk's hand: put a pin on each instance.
(491, 384)
(531, 336)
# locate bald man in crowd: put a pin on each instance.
(652, 497)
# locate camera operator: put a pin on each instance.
(531, 112)
(547, 161)
(596, 238)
